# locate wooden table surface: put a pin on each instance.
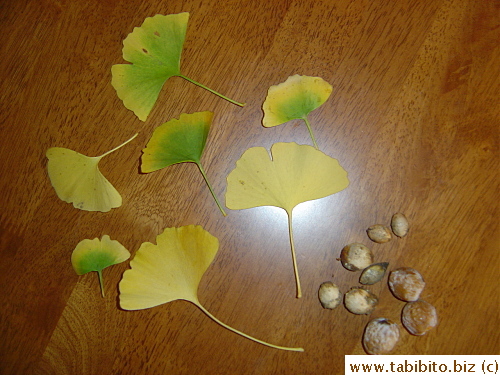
(413, 118)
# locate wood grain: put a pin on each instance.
(414, 119)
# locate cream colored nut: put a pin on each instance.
(419, 317)
(356, 256)
(400, 225)
(379, 233)
(406, 284)
(373, 273)
(329, 295)
(380, 336)
(360, 301)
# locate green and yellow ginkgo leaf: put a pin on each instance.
(295, 99)
(172, 270)
(76, 179)
(154, 51)
(95, 255)
(179, 141)
(294, 174)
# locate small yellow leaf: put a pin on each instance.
(76, 179)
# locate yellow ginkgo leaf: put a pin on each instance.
(172, 270)
(294, 99)
(294, 174)
(76, 179)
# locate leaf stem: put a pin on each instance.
(117, 147)
(210, 188)
(244, 334)
(294, 257)
(310, 132)
(101, 283)
(212, 91)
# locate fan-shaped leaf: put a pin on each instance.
(154, 51)
(179, 141)
(95, 255)
(76, 179)
(294, 174)
(295, 99)
(171, 270)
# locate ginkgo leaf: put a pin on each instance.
(295, 99)
(179, 141)
(292, 175)
(172, 270)
(95, 255)
(154, 51)
(76, 179)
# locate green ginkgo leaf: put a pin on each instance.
(172, 270)
(179, 141)
(295, 99)
(154, 51)
(95, 255)
(292, 175)
(76, 179)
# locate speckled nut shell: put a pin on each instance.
(329, 295)
(406, 284)
(356, 256)
(360, 301)
(399, 224)
(379, 233)
(419, 317)
(380, 336)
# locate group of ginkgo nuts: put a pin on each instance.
(406, 284)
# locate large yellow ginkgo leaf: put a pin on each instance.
(294, 174)
(76, 179)
(172, 270)
(169, 270)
